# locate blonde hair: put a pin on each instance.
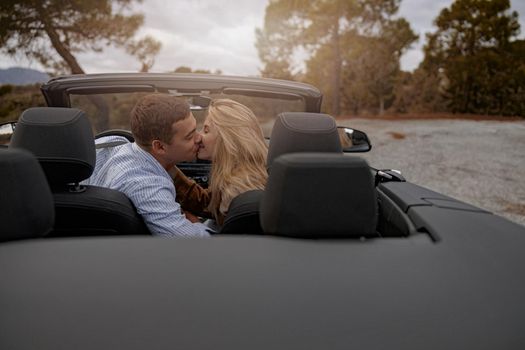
(239, 157)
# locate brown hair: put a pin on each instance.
(153, 116)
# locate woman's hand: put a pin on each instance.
(192, 217)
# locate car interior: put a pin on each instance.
(314, 189)
(31, 211)
(62, 141)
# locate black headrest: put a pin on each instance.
(28, 209)
(319, 195)
(243, 214)
(61, 139)
(303, 132)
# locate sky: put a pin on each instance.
(220, 35)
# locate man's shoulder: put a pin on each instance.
(125, 163)
(108, 148)
(126, 155)
(110, 141)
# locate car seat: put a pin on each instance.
(243, 214)
(292, 132)
(303, 132)
(62, 141)
(27, 203)
(318, 195)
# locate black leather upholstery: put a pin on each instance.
(303, 132)
(243, 214)
(94, 212)
(62, 141)
(27, 204)
(319, 195)
(292, 132)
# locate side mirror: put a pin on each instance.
(353, 140)
(6, 132)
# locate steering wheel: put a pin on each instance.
(116, 132)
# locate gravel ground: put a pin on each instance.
(478, 162)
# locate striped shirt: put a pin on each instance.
(133, 171)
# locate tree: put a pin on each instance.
(380, 45)
(310, 24)
(475, 47)
(336, 34)
(145, 50)
(54, 31)
(419, 92)
(275, 57)
(281, 34)
(185, 69)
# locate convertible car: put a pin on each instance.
(333, 254)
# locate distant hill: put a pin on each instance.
(22, 76)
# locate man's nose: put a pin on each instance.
(198, 137)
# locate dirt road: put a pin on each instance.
(479, 162)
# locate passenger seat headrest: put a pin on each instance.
(319, 195)
(61, 139)
(303, 132)
(28, 209)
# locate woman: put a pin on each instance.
(233, 140)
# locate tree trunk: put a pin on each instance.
(466, 95)
(62, 50)
(336, 98)
(381, 104)
(101, 119)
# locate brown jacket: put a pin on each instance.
(191, 196)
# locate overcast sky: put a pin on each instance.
(211, 34)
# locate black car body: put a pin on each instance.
(439, 274)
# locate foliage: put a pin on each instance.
(145, 50)
(185, 69)
(475, 48)
(372, 64)
(310, 24)
(5, 89)
(419, 92)
(15, 99)
(275, 43)
(352, 47)
(54, 31)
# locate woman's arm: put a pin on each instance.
(190, 195)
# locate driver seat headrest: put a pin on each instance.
(62, 141)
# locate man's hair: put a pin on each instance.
(153, 116)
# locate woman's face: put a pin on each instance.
(208, 140)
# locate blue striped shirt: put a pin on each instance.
(133, 171)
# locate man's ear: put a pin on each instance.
(157, 147)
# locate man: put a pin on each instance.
(165, 134)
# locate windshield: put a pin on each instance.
(112, 110)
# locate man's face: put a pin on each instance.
(184, 144)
